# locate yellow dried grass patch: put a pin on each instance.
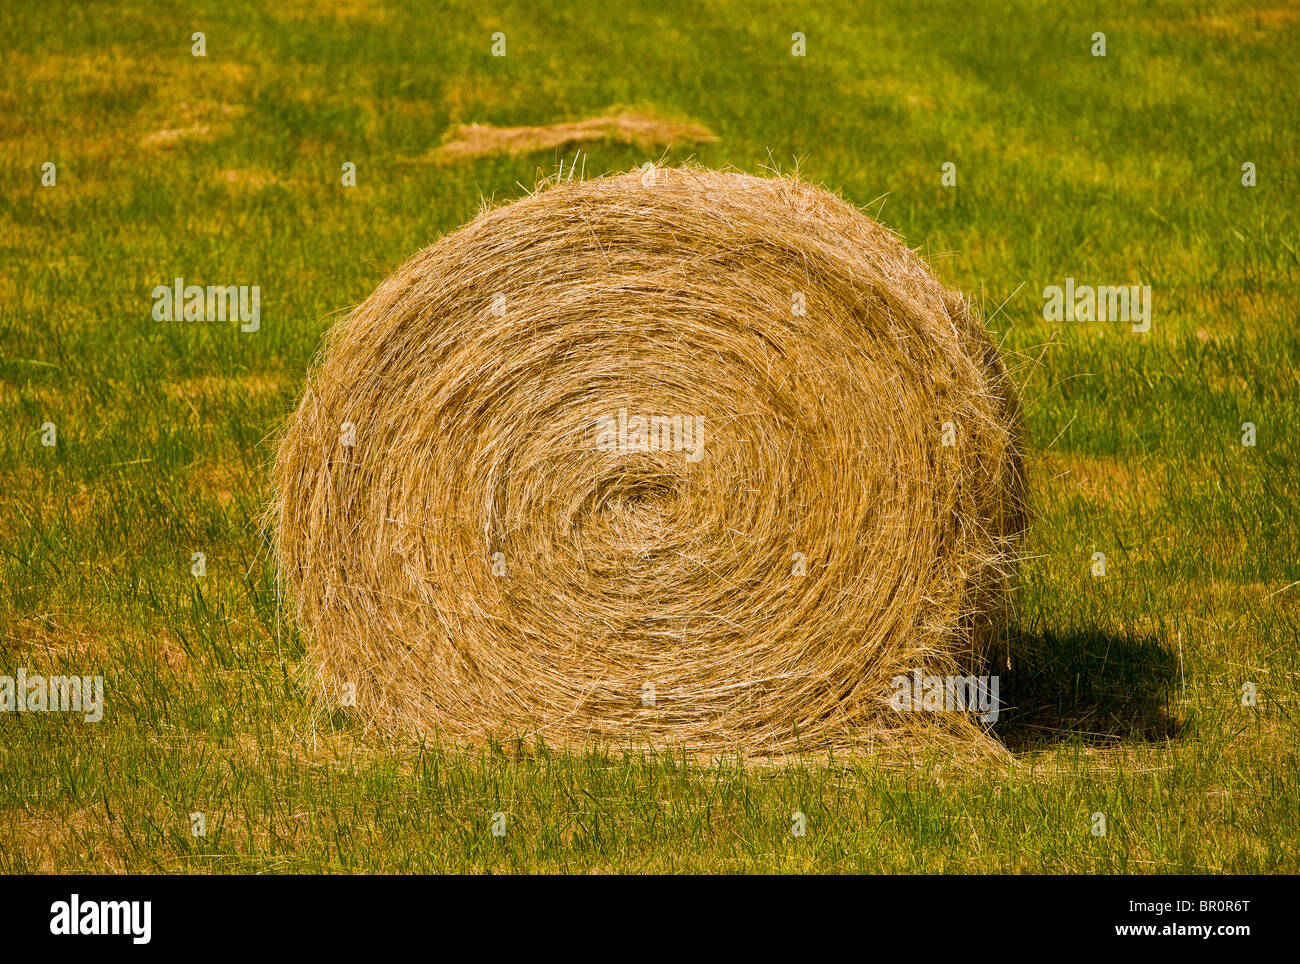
(468, 141)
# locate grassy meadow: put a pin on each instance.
(1124, 693)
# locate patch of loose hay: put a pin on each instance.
(475, 435)
(240, 178)
(1244, 21)
(468, 141)
(171, 135)
(54, 638)
(45, 839)
(369, 11)
(206, 122)
(223, 387)
(1109, 480)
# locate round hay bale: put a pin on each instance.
(681, 457)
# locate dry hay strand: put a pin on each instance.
(468, 141)
(487, 560)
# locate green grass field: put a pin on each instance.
(1124, 692)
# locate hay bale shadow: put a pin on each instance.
(1087, 686)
